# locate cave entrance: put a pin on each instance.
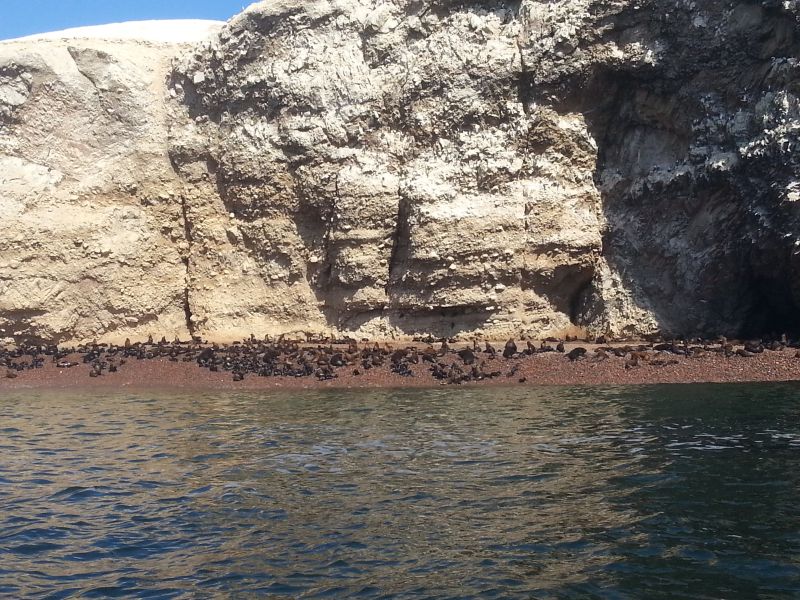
(773, 310)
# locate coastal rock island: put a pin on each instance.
(400, 168)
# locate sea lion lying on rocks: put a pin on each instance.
(576, 353)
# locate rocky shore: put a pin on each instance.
(293, 364)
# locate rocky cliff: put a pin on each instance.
(401, 168)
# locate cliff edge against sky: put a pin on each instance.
(400, 168)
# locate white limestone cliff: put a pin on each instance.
(403, 168)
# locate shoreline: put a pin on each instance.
(598, 366)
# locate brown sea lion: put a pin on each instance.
(510, 349)
(576, 353)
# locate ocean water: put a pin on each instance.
(686, 491)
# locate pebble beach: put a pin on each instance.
(253, 366)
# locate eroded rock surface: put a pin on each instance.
(92, 240)
(381, 172)
(698, 170)
(401, 168)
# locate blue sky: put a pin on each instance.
(24, 17)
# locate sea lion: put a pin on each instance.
(206, 356)
(775, 345)
(754, 346)
(455, 374)
(576, 353)
(467, 355)
(510, 349)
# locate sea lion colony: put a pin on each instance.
(322, 358)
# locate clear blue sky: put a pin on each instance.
(24, 17)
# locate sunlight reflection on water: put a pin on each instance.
(657, 491)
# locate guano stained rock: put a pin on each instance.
(400, 168)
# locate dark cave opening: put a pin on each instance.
(773, 310)
(577, 302)
(746, 291)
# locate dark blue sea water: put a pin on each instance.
(638, 492)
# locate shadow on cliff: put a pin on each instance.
(696, 233)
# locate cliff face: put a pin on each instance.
(92, 237)
(698, 169)
(402, 168)
(378, 171)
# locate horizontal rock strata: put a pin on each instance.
(406, 168)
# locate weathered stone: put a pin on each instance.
(87, 247)
(380, 153)
(398, 168)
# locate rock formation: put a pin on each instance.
(92, 243)
(400, 168)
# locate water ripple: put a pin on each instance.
(655, 492)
